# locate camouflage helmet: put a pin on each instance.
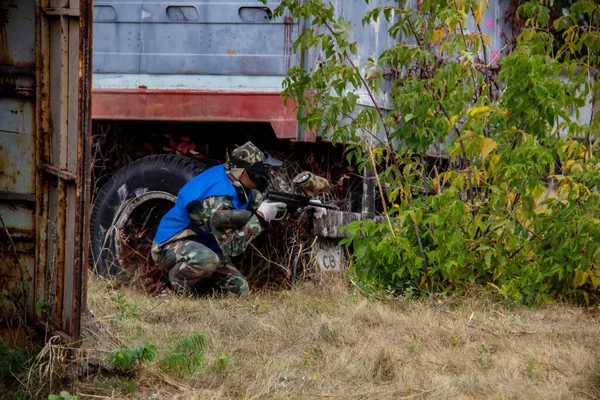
(248, 154)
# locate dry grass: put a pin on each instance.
(315, 342)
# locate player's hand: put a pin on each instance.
(268, 211)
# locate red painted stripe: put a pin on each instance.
(197, 106)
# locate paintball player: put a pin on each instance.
(188, 244)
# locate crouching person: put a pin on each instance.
(188, 245)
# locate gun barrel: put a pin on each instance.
(295, 201)
(323, 205)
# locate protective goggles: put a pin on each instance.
(257, 171)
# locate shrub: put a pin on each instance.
(513, 204)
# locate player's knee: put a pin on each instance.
(203, 263)
(238, 286)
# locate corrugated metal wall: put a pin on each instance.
(190, 44)
(44, 171)
(17, 163)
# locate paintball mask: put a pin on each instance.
(256, 163)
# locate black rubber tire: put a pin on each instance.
(162, 172)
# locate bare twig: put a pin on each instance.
(266, 259)
(470, 318)
(380, 191)
(553, 367)
(521, 333)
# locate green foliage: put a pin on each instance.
(186, 356)
(221, 364)
(125, 309)
(42, 309)
(484, 359)
(413, 349)
(62, 396)
(531, 368)
(127, 359)
(13, 362)
(514, 204)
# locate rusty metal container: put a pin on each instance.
(45, 66)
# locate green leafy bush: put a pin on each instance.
(513, 204)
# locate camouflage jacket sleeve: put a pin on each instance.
(232, 241)
(257, 198)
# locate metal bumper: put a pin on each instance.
(329, 226)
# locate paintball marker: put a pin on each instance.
(310, 184)
(296, 202)
(234, 219)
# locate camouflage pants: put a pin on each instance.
(194, 267)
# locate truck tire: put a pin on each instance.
(152, 178)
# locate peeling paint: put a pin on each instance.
(44, 100)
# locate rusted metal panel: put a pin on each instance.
(64, 163)
(44, 170)
(17, 164)
(184, 105)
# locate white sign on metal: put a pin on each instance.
(330, 258)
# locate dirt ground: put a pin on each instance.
(326, 342)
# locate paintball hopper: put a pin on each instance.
(311, 185)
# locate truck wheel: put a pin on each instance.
(143, 192)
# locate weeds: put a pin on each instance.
(484, 360)
(385, 366)
(413, 349)
(105, 386)
(127, 359)
(531, 368)
(187, 356)
(126, 310)
(42, 310)
(62, 396)
(49, 369)
(221, 364)
(13, 363)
